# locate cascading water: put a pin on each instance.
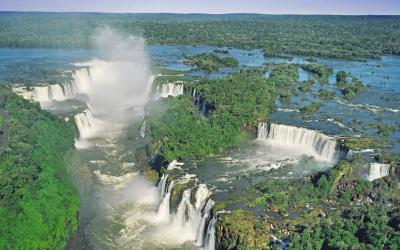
(170, 89)
(192, 217)
(47, 94)
(202, 227)
(304, 141)
(185, 212)
(210, 237)
(377, 170)
(163, 214)
(162, 185)
(87, 124)
(174, 165)
(201, 104)
(143, 129)
(123, 198)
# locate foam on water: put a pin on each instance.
(298, 140)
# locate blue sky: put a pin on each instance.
(346, 7)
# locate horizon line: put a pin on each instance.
(198, 13)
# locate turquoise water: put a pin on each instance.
(380, 103)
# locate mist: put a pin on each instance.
(121, 78)
(117, 84)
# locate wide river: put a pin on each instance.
(121, 210)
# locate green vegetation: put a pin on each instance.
(326, 94)
(341, 77)
(170, 72)
(332, 210)
(349, 89)
(321, 72)
(306, 85)
(366, 142)
(350, 37)
(364, 228)
(311, 108)
(242, 230)
(284, 76)
(211, 62)
(177, 129)
(385, 130)
(38, 205)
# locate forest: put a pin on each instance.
(38, 204)
(225, 108)
(335, 214)
(349, 37)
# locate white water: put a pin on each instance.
(174, 165)
(143, 129)
(118, 182)
(377, 170)
(47, 94)
(163, 214)
(202, 227)
(210, 237)
(189, 222)
(114, 97)
(170, 89)
(87, 124)
(162, 185)
(299, 140)
(116, 89)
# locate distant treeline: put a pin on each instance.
(350, 37)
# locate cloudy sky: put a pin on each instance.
(346, 7)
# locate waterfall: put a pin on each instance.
(305, 141)
(170, 89)
(47, 94)
(88, 125)
(210, 236)
(111, 96)
(164, 207)
(143, 129)
(201, 196)
(202, 226)
(378, 170)
(162, 184)
(193, 217)
(190, 221)
(84, 121)
(174, 165)
(185, 212)
(82, 79)
(201, 104)
(50, 93)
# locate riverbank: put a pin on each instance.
(39, 206)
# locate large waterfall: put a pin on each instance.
(47, 94)
(115, 90)
(170, 89)
(192, 220)
(377, 170)
(210, 237)
(302, 140)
